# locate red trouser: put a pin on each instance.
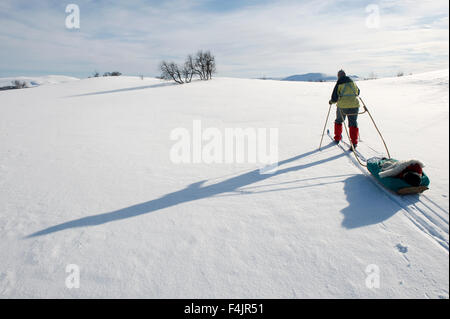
(354, 133)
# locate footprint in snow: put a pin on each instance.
(402, 249)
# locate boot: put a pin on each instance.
(354, 134)
(337, 132)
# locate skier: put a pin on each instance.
(345, 94)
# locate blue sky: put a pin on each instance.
(249, 38)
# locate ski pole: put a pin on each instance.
(324, 127)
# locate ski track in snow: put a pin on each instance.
(417, 208)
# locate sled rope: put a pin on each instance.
(365, 110)
(376, 127)
(373, 121)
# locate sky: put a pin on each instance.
(249, 38)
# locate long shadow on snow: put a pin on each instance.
(127, 89)
(191, 193)
(368, 205)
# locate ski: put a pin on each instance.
(349, 147)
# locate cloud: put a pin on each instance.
(249, 38)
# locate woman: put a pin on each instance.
(345, 94)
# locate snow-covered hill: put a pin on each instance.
(39, 80)
(86, 179)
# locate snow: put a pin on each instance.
(36, 81)
(86, 179)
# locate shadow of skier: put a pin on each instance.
(191, 193)
(144, 87)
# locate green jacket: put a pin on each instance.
(345, 93)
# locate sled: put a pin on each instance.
(412, 190)
(394, 184)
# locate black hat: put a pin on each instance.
(412, 178)
(341, 73)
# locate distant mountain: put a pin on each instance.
(314, 77)
(310, 77)
(271, 78)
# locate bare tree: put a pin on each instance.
(210, 65)
(165, 71)
(200, 65)
(171, 71)
(203, 65)
(114, 73)
(19, 84)
(188, 69)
